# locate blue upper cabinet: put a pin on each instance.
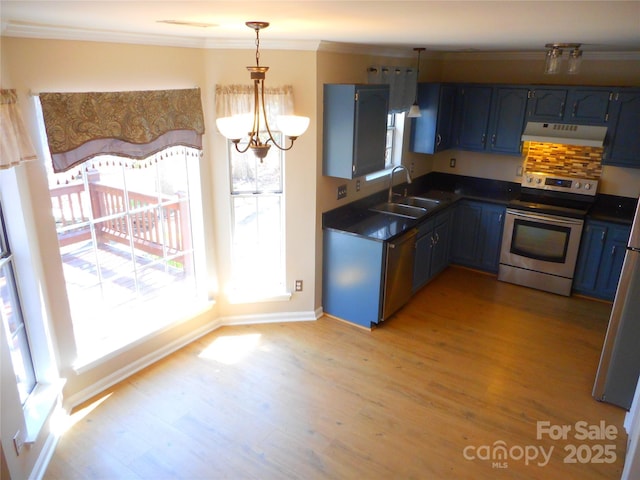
(580, 105)
(547, 104)
(474, 106)
(355, 129)
(506, 122)
(623, 134)
(431, 132)
(588, 106)
(491, 119)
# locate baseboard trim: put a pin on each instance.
(125, 372)
(42, 462)
(143, 362)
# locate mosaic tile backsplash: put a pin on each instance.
(563, 160)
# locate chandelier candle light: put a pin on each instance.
(237, 127)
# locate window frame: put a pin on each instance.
(233, 291)
(172, 314)
(7, 260)
(397, 125)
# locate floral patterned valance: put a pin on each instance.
(15, 144)
(80, 126)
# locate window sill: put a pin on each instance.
(39, 406)
(116, 346)
(379, 174)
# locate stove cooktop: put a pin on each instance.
(555, 195)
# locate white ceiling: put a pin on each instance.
(439, 26)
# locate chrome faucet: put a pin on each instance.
(397, 167)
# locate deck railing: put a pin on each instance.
(156, 229)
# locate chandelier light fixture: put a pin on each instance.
(414, 111)
(554, 58)
(252, 125)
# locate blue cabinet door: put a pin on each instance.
(612, 259)
(507, 119)
(474, 106)
(547, 104)
(422, 262)
(465, 233)
(372, 108)
(491, 236)
(602, 251)
(355, 129)
(623, 136)
(441, 243)
(431, 132)
(585, 278)
(476, 235)
(588, 106)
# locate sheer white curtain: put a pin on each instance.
(238, 100)
(402, 85)
(15, 144)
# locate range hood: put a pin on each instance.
(583, 135)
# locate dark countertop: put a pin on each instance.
(356, 218)
(612, 208)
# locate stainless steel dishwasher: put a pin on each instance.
(398, 273)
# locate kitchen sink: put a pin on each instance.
(400, 209)
(422, 202)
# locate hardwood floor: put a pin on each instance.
(469, 366)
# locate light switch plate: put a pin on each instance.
(342, 191)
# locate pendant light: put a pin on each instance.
(553, 58)
(414, 111)
(237, 127)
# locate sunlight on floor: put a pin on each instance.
(231, 349)
(62, 422)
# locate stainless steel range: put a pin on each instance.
(542, 232)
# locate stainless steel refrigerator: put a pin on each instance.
(620, 360)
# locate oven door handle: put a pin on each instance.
(544, 218)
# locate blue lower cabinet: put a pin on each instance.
(602, 251)
(477, 235)
(432, 249)
(353, 277)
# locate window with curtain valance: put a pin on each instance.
(402, 85)
(80, 126)
(15, 144)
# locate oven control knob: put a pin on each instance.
(587, 186)
(529, 179)
(578, 185)
(538, 180)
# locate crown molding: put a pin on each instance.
(30, 30)
(537, 55)
(48, 32)
(360, 49)
(270, 44)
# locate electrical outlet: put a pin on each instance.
(411, 168)
(342, 191)
(298, 285)
(519, 171)
(452, 163)
(358, 185)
